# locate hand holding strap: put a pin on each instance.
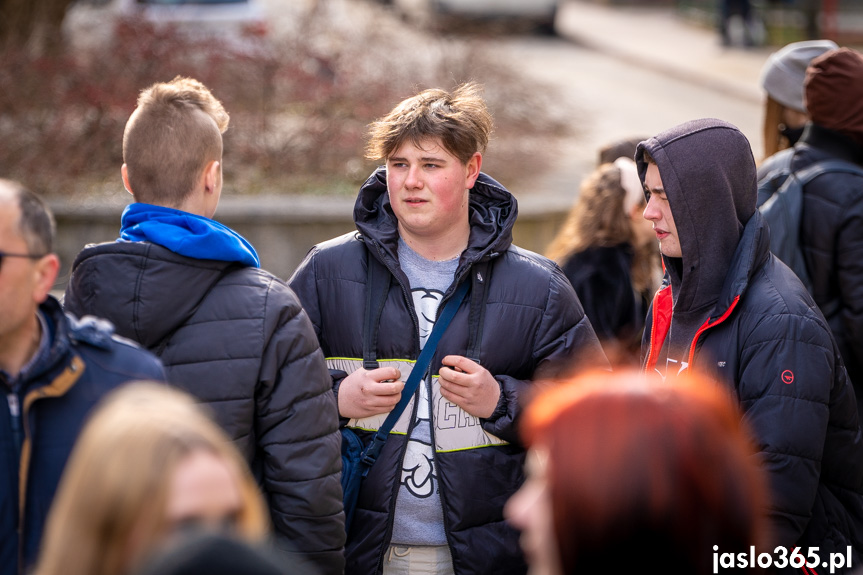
(372, 452)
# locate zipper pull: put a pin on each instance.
(14, 405)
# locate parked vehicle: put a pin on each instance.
(538, 12)
(233, 22)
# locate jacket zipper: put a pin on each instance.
(58, 387)
(15, 413)
(707, 325)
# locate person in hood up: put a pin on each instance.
(732, 310)
(228, 332)
(429, 220)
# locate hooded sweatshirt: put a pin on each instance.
(708, 173)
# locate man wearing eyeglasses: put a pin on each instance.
(53, 370)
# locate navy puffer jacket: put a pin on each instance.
(768, 342)
(534, 327)
(84, 362)
(237, 339)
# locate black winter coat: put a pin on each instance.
(768, 342)
(831, 236)
(84, 362)
(533, 327)
(602, 279)
(238, 340)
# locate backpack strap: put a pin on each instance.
(372, 452)
(809, 173)
(774, 179)
(378, 280)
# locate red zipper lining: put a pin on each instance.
(707, 325)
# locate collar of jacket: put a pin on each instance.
(751, 254)
(831, 142)
(65, 331)
(493, 211)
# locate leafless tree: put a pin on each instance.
(34, 25)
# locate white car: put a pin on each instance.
(88, 22)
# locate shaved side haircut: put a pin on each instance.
(173, 134)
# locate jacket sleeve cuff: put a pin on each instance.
(500, 409)
(338, 376)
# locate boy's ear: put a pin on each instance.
(124, 172)
(474, 165)
(211, 176)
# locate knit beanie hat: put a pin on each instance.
(834, 92)
(784, 72)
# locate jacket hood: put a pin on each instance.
(493, 211)
(145, 290)
(709, 176)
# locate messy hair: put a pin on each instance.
(110, 509)
(598, 217)
(653, 467)
(459, 120)
(174, 132)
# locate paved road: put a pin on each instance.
(613, 99)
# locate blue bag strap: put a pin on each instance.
(372, 452)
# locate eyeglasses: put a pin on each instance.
(28, 256)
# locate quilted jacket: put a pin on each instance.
(760, 333)
(238, 340)
(534, 327)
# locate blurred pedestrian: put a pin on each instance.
(624, 471)
(149, 465)
(831, 227)
(230, 333)
(731, 309)
(428, 221)
(741, 8)
(623, 148)
(785, 113)
(53, 370)
(600, 249)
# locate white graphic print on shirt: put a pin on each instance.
(419, 475)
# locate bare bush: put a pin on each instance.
(300, 102)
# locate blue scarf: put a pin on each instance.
(186, 234)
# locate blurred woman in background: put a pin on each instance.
(624, 473)
(149, 464)
(782, 79)
(608, 251)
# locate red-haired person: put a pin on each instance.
(625, 474)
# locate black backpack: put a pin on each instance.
(780, 199)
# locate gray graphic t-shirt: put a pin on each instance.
(419, 514)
